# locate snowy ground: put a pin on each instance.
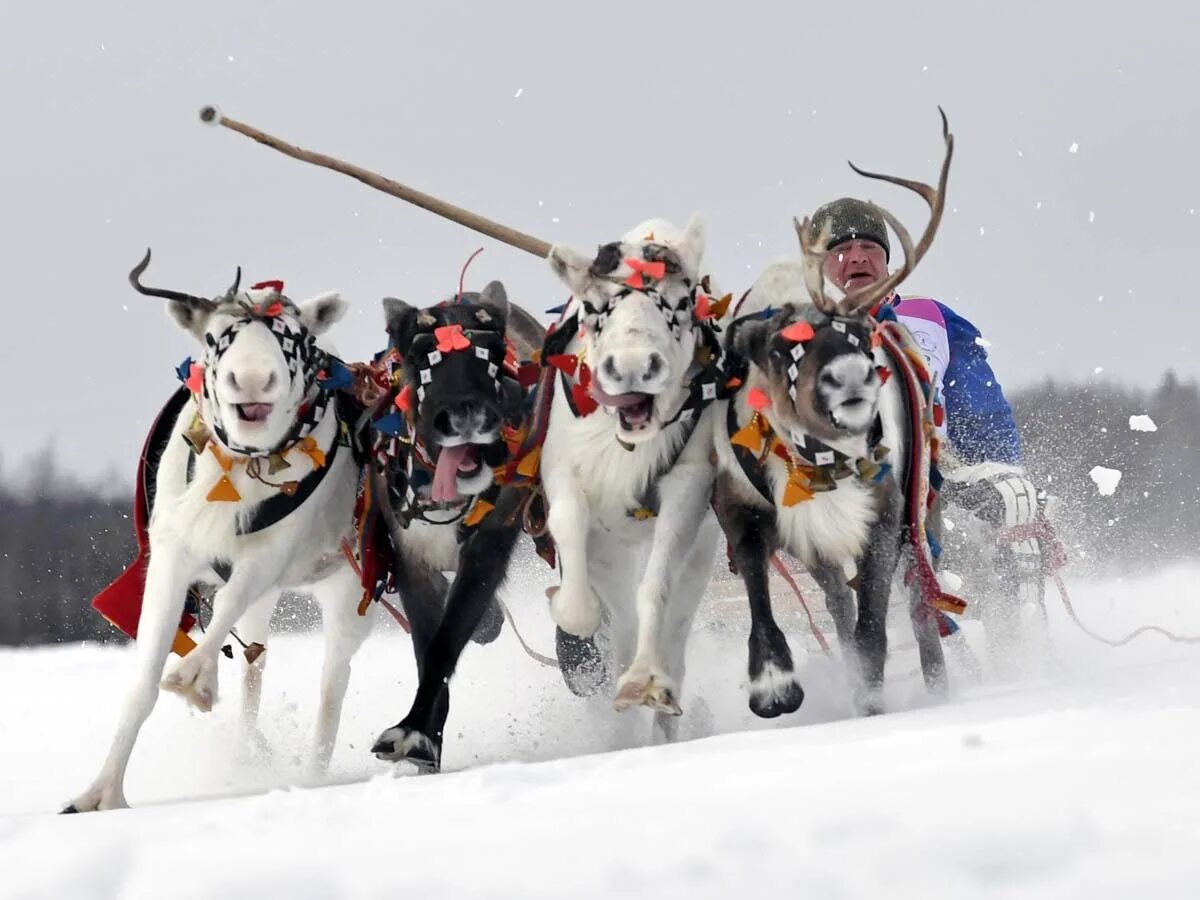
(1082, 781)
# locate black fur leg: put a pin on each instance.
(483, 562)
(490, 625)
(69, 809)
(774, 688)
(582, 665)
(875, 571)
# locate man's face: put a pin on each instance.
(855, 264)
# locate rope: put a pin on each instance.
(533, 654)
(390, 607)
(1143, 629)
(812, 623)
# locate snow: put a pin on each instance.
(1142, 423)
(1106, 480)
(1078, 781)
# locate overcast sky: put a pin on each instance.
(1071, 236)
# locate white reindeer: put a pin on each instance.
(628, 484)
(252, 478)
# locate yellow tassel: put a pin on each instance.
(795, 493)
(309, 448)
(364, 603)
(721, 307)
(749, 436)
(477, 513)
(643, 513)
(225, 462)
(529, 465)
(224, 491)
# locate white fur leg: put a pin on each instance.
(195, 676)
(684, 494)
(166, 588)
(575, 607)
(345, 631)
(255, 628)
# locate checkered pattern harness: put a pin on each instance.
(304, 359)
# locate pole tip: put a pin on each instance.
(210, 115)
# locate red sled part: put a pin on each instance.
(121, 602)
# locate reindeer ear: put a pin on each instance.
(494, 299)
(691, 247)
(190, 317)
(750, 336)
(401, 320)
(572, 267)
(322, 311)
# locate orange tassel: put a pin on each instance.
(757, 399)
(529, 465)
(795, 492)
(798, 332)
(477, 513)
(721, 307)
(749, 436)
(309, 448)
(224, 492)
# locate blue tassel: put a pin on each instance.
(184, 370)
(392, 424)
(885, 469)
(337, 376)
(935, 549)
(886, 314)
(946, 623)
(766, 313)
(935, 477)
(557, 310)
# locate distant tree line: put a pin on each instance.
(61, 541)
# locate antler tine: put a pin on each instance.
(233, 288)
(934, 197)
(135, 280)
(813, 253)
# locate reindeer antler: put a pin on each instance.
(813, 252)
(868, 296)
(192, 300)
(211, 115)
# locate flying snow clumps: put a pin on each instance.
(1106, 480)
(1142, 423)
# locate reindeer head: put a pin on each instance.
(637, 306)
(455, 395)
(260, 359)
(816, 360)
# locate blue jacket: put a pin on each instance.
(979, 421)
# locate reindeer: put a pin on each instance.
(458, 388)
(253, 492)
(626, 464)
(817, 456)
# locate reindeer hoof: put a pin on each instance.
(575, 612)
(403, 744)
(195, 679)
(775, 692)
(490, 624)
(653, 690)
(96, 798)
(582, 666)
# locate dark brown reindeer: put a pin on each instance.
(819, 453)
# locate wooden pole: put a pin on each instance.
(212, 116)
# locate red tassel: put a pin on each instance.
(757, 400)
(703, 307)
(404, 399)
(884, 374)
(564, 362)
(585, 403)
(798, 332)
(195, 378)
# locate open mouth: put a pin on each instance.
(633, 410)
(859, 278)
(455, 462)
(255, 413)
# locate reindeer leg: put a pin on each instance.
(483, 562)
(254, 628)
(575, 607)
(170, 573)
(875, 571)
(774, 688)
(195, 676)
(345, 630)
(684, 494)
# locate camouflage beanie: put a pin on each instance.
(849, 220)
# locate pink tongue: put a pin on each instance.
(617, 401)
(256, 412)
(445, 476)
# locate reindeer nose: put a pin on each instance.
(253, 380)
(633, 372)
(466, 419)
